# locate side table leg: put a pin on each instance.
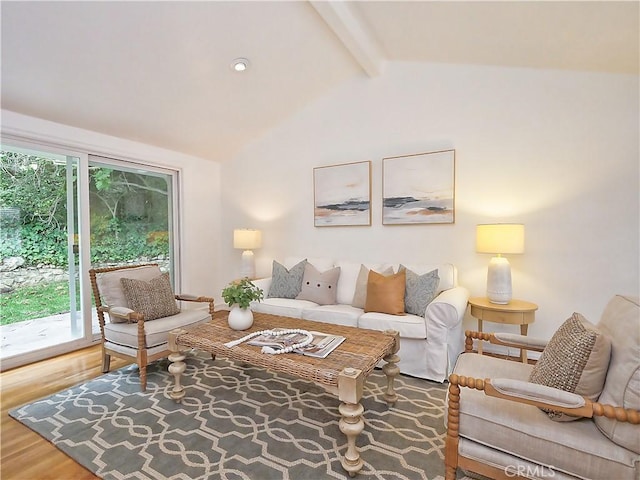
(177, 366)
(350, 385)
(391, 369)
(523, 352)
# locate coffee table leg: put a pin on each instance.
(391, 369)
(177, 366)
(350, 383)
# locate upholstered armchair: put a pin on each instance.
(142, 310)
(574, 414)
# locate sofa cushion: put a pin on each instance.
(420, 290)
(576, 448)
(409, 326)
(575, 360)
(156, 332)
(154, 298)
(385, 294)
(286, 283)
(111, 292)
(335, 314)
(622, 387)
(286, 307)
(360, 294)
(319, 287)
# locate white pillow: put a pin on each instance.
(347, 282)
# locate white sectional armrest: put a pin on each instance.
(264, 284)
(445, 338)
(538, 393)
(456, 299)
(523, 341)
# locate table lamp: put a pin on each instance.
(500, 239)
(247, 239)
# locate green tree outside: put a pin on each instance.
(128, 216)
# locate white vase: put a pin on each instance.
(240, 318)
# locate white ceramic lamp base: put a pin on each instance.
(248, 267)
(499, 281)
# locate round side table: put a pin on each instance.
(516, 312)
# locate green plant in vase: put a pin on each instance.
(242, 293)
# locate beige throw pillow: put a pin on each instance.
(575, 360)
(319, 287)
(360, 295)
(154, 299)
(385, 294)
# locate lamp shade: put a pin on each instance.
(500, 238)
(247, 239)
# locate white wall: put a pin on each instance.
(557, 151)
(199, 203)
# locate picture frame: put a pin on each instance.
(342, 195)
(419, 189)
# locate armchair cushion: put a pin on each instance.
(576, 360)
(319, 287)
(385, 294)
(156, 332)
(111, 292)
(420, 290)
(286, 283)
(154, 298)
(525, 432)
(622, 387)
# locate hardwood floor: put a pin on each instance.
(25, 455)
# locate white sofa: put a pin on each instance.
(429, 345)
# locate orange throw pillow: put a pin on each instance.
(386, 294)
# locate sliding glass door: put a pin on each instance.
(131, 214)
(39, 233)
(60, 215)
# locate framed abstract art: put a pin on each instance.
(419, 188)
(342, 195)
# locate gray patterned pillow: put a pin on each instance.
(575, 360)
(286, 283)
(154, 299)
(420, 291)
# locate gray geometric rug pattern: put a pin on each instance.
(238, 422)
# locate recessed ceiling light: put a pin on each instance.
(240, 64)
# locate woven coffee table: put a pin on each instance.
(342, 373)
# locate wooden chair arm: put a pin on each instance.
(589, 410)
(130, 316)
(193, 298)
(470, 335)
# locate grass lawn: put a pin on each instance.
(39, 301)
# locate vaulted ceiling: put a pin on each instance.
(159, 72)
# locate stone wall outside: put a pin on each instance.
(22, 276)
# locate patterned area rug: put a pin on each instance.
(238, 422)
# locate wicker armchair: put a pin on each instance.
(127, 334)
(496, 426)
